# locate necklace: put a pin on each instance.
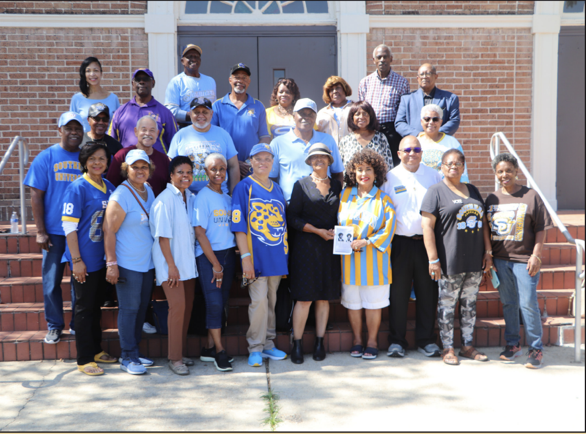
(140, 191)
(215, 191)
(259, 181)
(283, 111)
(318, 178)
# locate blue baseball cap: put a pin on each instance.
(261, 147)
(67, 117)
(145, 70)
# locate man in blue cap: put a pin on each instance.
(50, 174)
(143, 104)
(242, 116)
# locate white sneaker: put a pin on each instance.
(72, 332)
(148, 328)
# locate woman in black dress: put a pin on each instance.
(314, 270)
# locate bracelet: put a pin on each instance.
(76, 260)
(434, 262)
(538, 258)
(109, 264)
(218, 272)
(246, 255)
(489, 252)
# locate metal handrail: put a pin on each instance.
(23, 156)
(495, 142)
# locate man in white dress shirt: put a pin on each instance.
(407, 184)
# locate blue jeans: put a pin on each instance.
(518, 289)
(133, 300)
(52, 277)
(216, 298)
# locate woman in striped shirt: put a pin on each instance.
(366, 273)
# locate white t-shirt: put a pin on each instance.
(182, 89)
(407, 190)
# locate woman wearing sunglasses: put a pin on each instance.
(457, 241)
(433, 142)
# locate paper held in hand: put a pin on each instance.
(343, 236)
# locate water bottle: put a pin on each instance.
(14, 223)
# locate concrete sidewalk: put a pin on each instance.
(338, 394)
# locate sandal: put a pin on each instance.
(178, 369)
(357, 351)
(187, 361)
(372, 351)
(108, 358)
(473, 353)
(90, 369)
(449, 357)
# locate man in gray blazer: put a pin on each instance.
(408, 122)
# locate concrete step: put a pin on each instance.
(489, 332)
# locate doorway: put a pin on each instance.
(305, 53)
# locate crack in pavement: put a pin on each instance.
(30, 397)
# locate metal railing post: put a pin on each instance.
(21, 163)
(578, 300)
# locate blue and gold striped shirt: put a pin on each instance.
(373, 217)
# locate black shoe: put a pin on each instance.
(53, 336)
(110, 303)
(297, 352)
(319, 352)
(222, 361)
(209, 355)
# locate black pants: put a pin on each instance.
(411, 265)
(88, 332)
(394, 139)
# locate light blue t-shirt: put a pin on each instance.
(197, 146)
(213, 212)
(80, 104)
(182, 89)
(52, 171)
(134, 241)
(290, 154)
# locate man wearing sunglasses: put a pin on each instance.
(408, 122)
(407, 184)
(99, 119)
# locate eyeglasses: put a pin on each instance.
(457, 164)
(192, 58)
(417, 150)
(432, 119)
(246, 281)
(102, 119)
(425, 74)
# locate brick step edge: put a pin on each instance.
(488, 332)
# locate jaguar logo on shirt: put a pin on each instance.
(250, 112)
(267, 222)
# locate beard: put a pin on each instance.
(202, 125)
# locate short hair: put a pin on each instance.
(290, 84)
(505, 156)
(434, 108)
(146, 117)
(381, 46)
(459, 153)
(89, 149)
(178, 161)
(83, 84)
(364, 105)
(214, 156)
(433, 70)
(124, 169)
(330, 83)
(409, 138)
(374, 160)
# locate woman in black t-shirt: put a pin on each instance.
(455, 236)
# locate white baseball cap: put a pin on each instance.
(305, 103)
(136, 155)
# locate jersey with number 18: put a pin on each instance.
(85, 203)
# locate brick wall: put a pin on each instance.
(489, 69)
(74, 7)
(449, 7)
(39, 73)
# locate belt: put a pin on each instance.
(414, 237)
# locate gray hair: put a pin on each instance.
(505, 156)
(381, 46)
(149, 118)
(434, 108)
(213, 157)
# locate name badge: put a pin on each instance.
(400, 189)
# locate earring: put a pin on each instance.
(517, 178)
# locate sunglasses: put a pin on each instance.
(246, 281)
(417, 150)
(434, 119)
(201, 102)
(102, 119)
(457, 164)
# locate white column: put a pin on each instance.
(546, 30)
(353, 26)
(161, 28)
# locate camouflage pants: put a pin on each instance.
(463, 286)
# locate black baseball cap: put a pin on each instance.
(196, 102)
(238, 67)
(97, 108)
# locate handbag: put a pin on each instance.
(160, 314)
(136, 197)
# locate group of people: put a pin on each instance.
(170, 193)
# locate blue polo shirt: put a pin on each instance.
(246, 126)
(290, 154)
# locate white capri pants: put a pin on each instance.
(356, 297)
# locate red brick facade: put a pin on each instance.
(449, 7)
(74, 7)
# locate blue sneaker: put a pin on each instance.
(255, 359)
(144, 361)
(133, 367)
(274, 354)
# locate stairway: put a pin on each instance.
(23, 326)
